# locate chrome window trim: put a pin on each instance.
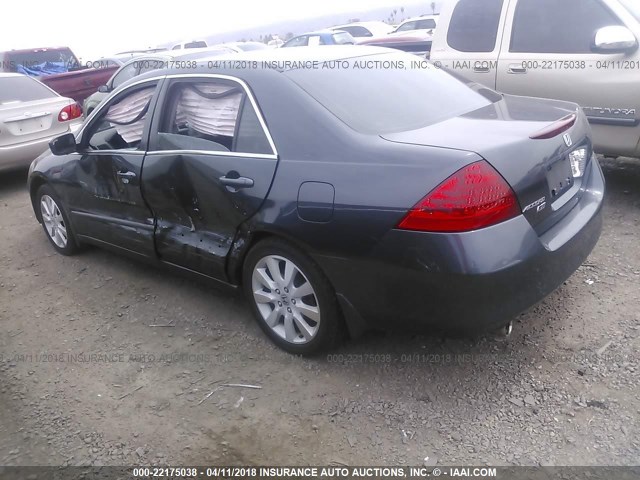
(99, 108)
(242, 83)
(247, 91)
(213, 153)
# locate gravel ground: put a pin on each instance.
(86, 380)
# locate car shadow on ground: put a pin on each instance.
(13, 181)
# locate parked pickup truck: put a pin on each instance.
(584, 51)
(58, 68)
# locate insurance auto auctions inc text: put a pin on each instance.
(373, 472)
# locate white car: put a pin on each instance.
(190, 44)
(31, 115)
(365, 29)
(425, 23)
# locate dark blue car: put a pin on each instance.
(337, 199)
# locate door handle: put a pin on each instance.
(516, 68)
(126, 176)
(481, 69)
(237, 183)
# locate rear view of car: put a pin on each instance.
(31, 114)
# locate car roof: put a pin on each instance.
(278, 59)
(190, 53)
(38, 49)
(326, 31)
(362, 24)
(5, 75)
(421, 17)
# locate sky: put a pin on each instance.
(95, 29)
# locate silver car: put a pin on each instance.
(31, 115)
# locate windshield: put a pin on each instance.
(380, 94)
(199, 44)
(22, 89)
(633, 6)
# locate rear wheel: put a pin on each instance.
(291, 298)
(55, 222)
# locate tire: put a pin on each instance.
(305, 323)
(58, 228)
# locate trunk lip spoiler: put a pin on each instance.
(556, 128)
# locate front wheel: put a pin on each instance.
(291, 298)
(55, 222)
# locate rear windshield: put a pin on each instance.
(22, 89)
(38, 62)
(381, 94)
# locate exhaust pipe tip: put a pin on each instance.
(508, 329)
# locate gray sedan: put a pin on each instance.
(31, 114)
(373, 195)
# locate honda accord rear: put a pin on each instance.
(507, 196)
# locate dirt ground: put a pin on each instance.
(86, 380)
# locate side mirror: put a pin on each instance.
(63, 145)
(615, 39)
(104, 89)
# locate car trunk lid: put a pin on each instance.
(23, 122)
(538, 170)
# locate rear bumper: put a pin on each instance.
(473, 281)
(22, 154)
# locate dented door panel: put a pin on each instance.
(109, 206)
(197, 216)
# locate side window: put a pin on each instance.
(427, 24)
(211, 116)
(300, 41)
(474, 25)
(127, 73)
(314, 41)
(558, 26)
(250, 136)
(120, 125)
(406, 27)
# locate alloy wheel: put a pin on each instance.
(286, 300)
(53, 221)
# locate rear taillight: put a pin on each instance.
(472, 198)
(70, 112)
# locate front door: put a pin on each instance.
(107, 206)
(209, 168)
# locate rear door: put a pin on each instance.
(471, 44)
(547, 52)
(210, 166)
